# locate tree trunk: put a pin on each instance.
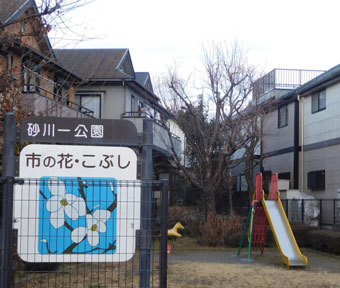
(230, 188)
(210, 202)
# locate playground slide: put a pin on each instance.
(283, 234)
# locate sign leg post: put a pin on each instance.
(146, 205)
(8, 174)
(164, 233)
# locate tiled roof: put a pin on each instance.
(96, 63)
(8, 7)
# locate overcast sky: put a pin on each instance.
(300, 34)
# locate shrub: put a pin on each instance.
(187, 216)
(325, 240)
(234, 229)
(216, 230)
(221, 230)
(301, 233)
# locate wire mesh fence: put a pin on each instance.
(86, 232)
(315, 212)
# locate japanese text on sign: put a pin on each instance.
(81, 131)
(75, 160)
(67, 160)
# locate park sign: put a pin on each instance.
(79, 131)
(75, 207)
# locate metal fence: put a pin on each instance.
(283, 79)
(86, 232)
(323, 213)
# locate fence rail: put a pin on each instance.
(324, 213)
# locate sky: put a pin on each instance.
(295, 34)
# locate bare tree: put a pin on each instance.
(219, 122)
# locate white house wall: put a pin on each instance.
(112, 101)
(280, 164)
(321, 149)
(325, 124)
(275, 138)
(327, 159)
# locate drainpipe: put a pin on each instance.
(301, 104)
(124, 88)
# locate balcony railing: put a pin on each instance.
(39, 101)
(63, 100)
(161, 135)
(283, 79)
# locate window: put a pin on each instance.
(283, 116)
(23, 26)
(133, 104)
(316, 180)
(285, 175)
(242, 184)
(90, 101)
(319, 101)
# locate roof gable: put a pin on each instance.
(143, 78)
(12, 10)
(97, 64)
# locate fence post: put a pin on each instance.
(164, 234)
(147, 177)
(333, 212)
(8, 174)
(320, 214)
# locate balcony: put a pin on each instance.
(278, 81)
(40, 103)
(39, 97)
(161, 139)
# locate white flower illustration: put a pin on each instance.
(95, 225)
(62, 203)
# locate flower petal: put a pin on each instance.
(71, 212)
(79, 205)
(101, 227)
(78, 234)
(93, 237)
(91, 221)
(53, 204)
(71, 198)
(102, 215)
(57, 218)
(56, 186)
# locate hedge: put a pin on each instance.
(312, 237)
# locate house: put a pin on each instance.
(301, 136)
(280, 124)
(28, 62)
(82, 83)
(113, 90)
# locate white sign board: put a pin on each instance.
(73, 206)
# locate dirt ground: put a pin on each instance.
(191, 265)
(217, 268)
